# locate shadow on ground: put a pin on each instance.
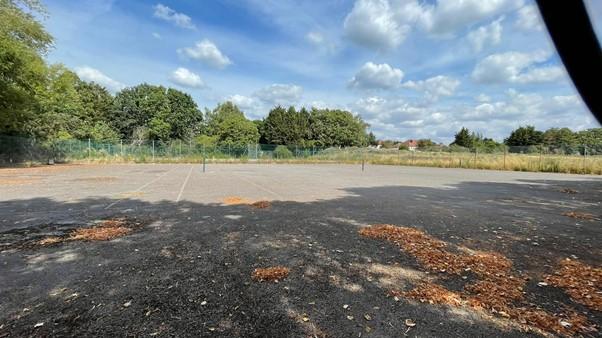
(187, 273)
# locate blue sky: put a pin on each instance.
(411, 69)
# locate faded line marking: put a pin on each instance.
(140, 189)
(184, 184)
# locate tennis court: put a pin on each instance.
(185, 268)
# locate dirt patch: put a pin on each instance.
(581, 281)
(272, 274)
(261, 204)
(579, 215)
(498, 290)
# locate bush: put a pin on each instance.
(282, 152)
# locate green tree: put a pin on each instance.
(372, 139)
(59, 104)
(184, 117)
(93, 118)
(289, 127)
(23, 43)
(464, 138)
(137, 106)
(559, 137)
(524, 136)
(425, 143)
(337, 128)
(229, 126)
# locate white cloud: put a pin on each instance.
(434, 87)
(482, 98)
(490, 34)
(157, 36)
(372, 23)
(186, 78)
(528, 18)
(377, 76)
(450, 15)
(179, 19)
(516, 67)
(280, 94)
(243, 102)
(208, 53)
(384, 24)
(94, 75)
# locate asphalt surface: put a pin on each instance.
(187, 271)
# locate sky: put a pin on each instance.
(411, 69)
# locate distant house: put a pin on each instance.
(411, 144)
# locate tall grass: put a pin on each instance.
(515, 162)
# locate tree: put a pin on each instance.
(23, 43)
(524, 136)
(137, 106)
(464, 138)
(96, 106)
(184, 117)
(229, 126)
(289, 127)
(425, 143)
(559, 137)
(372, 139)
(59, 104)
(337, 128)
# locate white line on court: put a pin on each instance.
(184, 184)
(139, 189)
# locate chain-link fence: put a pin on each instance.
(564, 158)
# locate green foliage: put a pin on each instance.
(524, 136)
(287, 126)
(23, 41)
(282, 152)
(206, 141)
(230, 127)
(425, 143)
(184, 117)
(463, 138)
(337, 128)
(372, 139)
(403, 146)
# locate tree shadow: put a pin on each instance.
(187, 272)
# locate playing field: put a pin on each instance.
(190, 240)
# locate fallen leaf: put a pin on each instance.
(345, 306)
(128, 303)
(367, 316)
(410, 323)
(38, 324)
(350, 317)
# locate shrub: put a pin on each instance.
(282, 152)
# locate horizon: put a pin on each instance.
(411, 70)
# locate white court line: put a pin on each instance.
(184, 185)
(260, 187)
(139, 189)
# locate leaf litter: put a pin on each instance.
(271, 274)
(498, 290)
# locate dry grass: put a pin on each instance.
(579, 215)
(97, 179)
(235, 200)
(498, 290)
(272, 274)
(582, 282)
(105, 231)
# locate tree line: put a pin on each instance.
(50, 102)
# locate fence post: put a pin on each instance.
(121, 147)
(89, 150)
(584, 156)
(475, 157)
(505, 150)
(153, 151)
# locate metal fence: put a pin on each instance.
(565, 158)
